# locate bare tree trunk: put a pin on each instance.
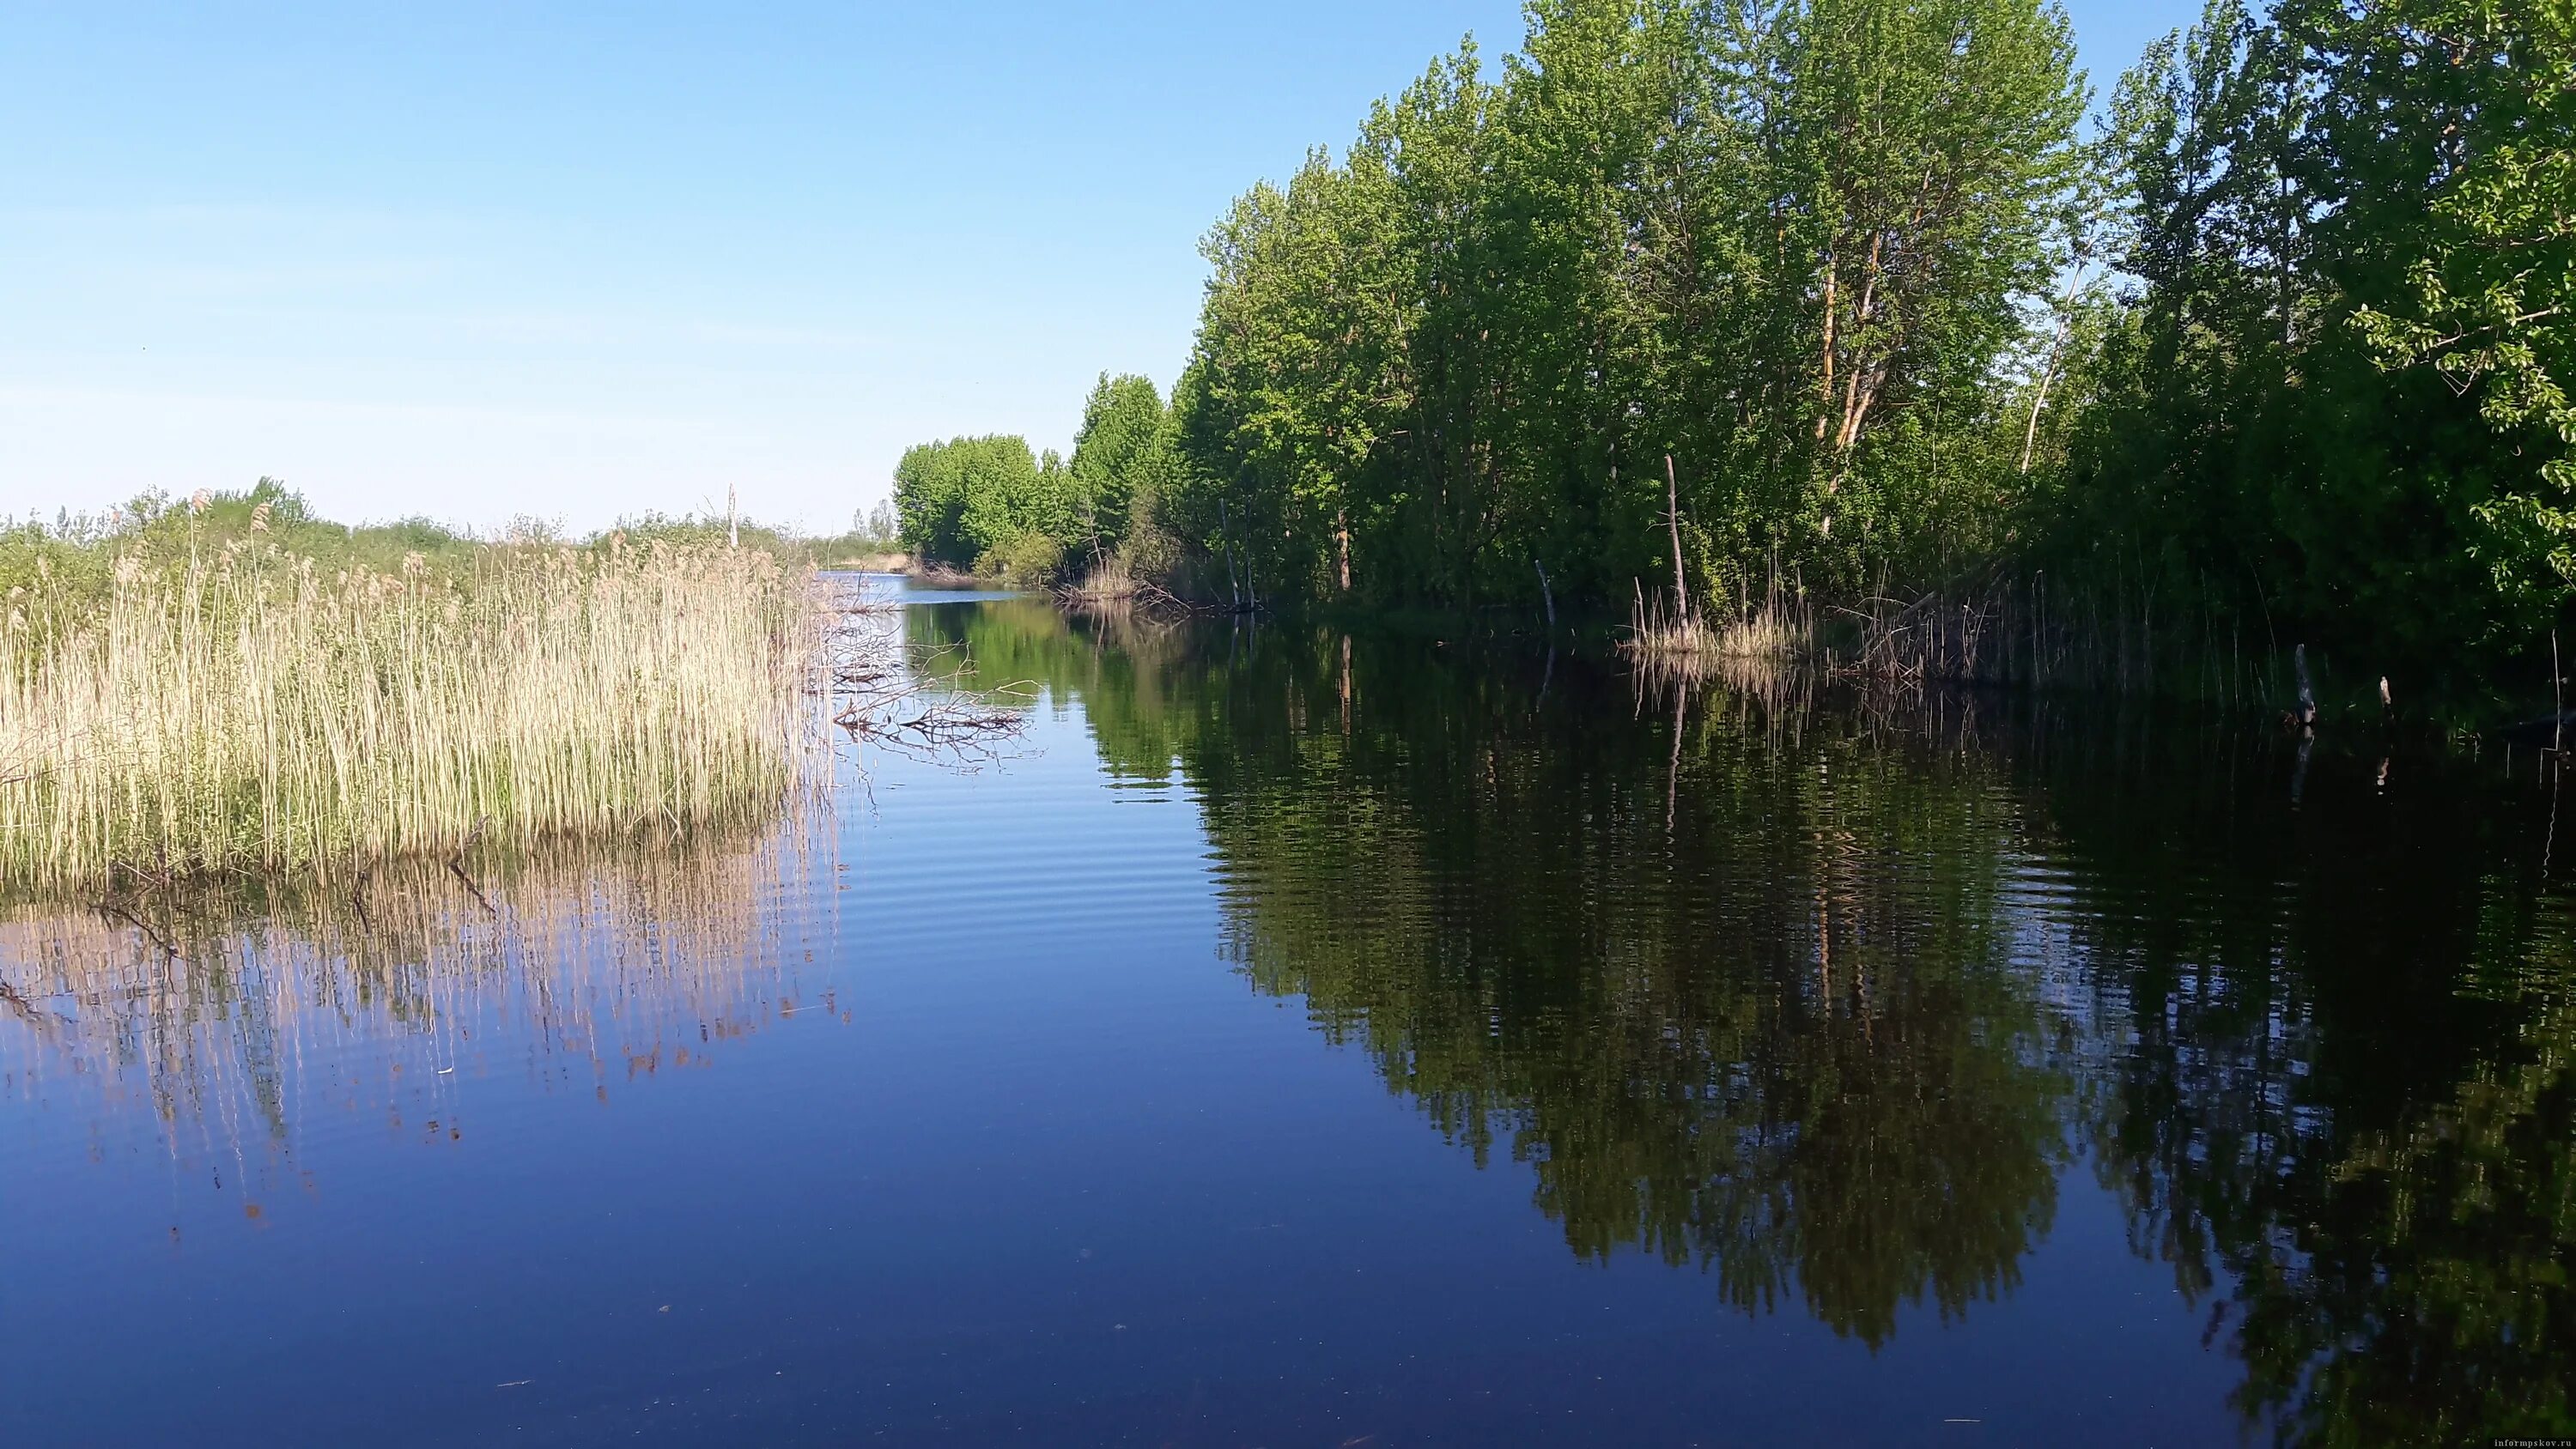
(2048, 370)
(1342, 546)
(1225, 533)
(1862, 397)
(1673, 521)
(1824, 414)
(1856, 398)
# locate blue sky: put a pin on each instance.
(475, 261)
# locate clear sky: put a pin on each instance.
(478, 260)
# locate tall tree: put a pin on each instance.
(1118, 456)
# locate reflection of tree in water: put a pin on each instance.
(1775, 1036)
(1123, 668)
(2345, 1115)
(585, 972)
(1764, 1022)
(1837, 1023)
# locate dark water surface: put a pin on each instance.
(1301, 1043)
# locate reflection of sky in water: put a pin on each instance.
(1103, 1091)
(902, 589)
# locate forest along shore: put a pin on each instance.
(1833, 326)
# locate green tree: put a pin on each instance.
(987, 502)
(1920, 151)
(1782, 245)
(2471, 103)
(1119, 459)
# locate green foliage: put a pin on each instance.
(967, 498)
(73, 556)
(2487, 295)
(1785, 246)
(1029, 560)
(991, 503)
(2336, 390)
(1700, 298)
(1120, 459)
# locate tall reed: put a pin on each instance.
(246, 709)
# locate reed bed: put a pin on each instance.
(1758, 637)
(1113, 591)
(2110, 635)
(1775, 632)
(247, 710)
(2121, 633)
(1111, 581)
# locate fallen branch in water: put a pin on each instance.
(914, 701)
(27, 1012)
(114, 911)
(456, 868)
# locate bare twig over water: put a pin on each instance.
(915, 702)
(114, 911)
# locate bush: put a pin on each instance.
(1024, 560)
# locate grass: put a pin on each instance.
(1764, 636)
(242, 708)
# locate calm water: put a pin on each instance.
(1306, 1043)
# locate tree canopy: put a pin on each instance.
(1838, 292)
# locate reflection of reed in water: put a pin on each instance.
(238, 1020)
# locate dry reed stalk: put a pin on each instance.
(2158, 635)
(1778, 631)
(1110, 582)
(1113, 590)
(248, 712)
